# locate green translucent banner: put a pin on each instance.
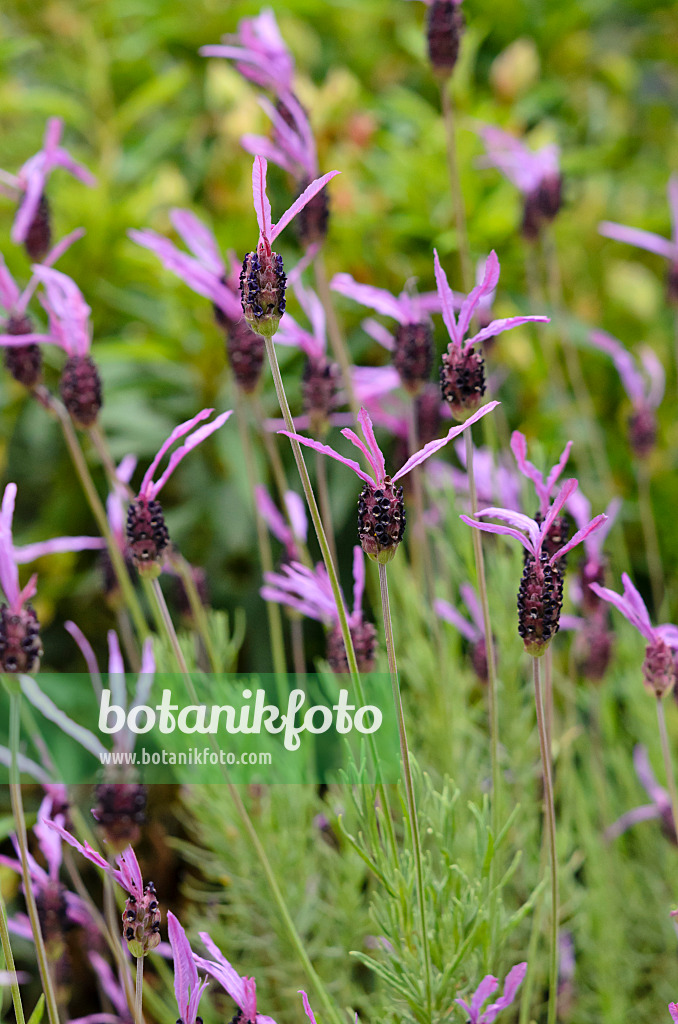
(241, 728)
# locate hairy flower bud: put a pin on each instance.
(540, 600)
(262, 290)
(38, 240)
(364, 637)
(591, 572)
(141, 922)
(319, 388)
(532, 217)
(120, 812)
(245, 351)
(444, 29)
(313, 220)
(24, 363)
(550, 195)
(659, 668)
(80, 388)
(462, 380)
(147, 535)
(381, 520)
(642, 431)
(413, 353)
(52, 908)
(20, 646)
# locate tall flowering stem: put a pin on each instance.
(139, 992)
(46, 978)
(668, 764)
(489, 645)
(551, 830)
(9, 962)
(407, 774)
(447, 106)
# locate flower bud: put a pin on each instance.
(540, 600)
(147, 535)
(462, 380)
(80, 388)
(659, 668)
(319, 389)
(381, 520)
(20, 646)
(444, 29)
(24, 363)
(413, 355)
(141, 922)
(38, 240)
(364, 637)
(642, 431)
(262, 290)
(245, 351)
(550, 195)
(50, 900)
(120, 812)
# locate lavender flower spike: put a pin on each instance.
(659, 667)
(412, 348)
(32, 223)
(645, 390)
(668, 248)
(540, 596)
(187, 985)
(536, 174)
(146, 530)
(262, 280)
(243, 991)
(489, 985)
(381, 511)
(462, 374)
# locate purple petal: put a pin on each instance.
(261, 204)
(296, 512)
(185, 972)
(176, 434)
(486, 286)
(444, 610)
(470, 599)
(642, 239)
(626, 821)
(9, 574)
(84, 848)
(434, 446)
(196, 438)
(62, 158)
(199, 239)
(513, 981)
(487, 986)
(557, 469)
(499, 326)
(307, 1006)
(66, 303)
(358, 579)
(301, 202)
(58, 545)
(367, 295)
(656, 376)
(641, 762)
(672, 192)
(259, 145)
(579, 536)
(220, 969)
(626, 368)
(634, 599)
(379, 333)
(129, 873)
(447, 301)
(9, 291)
(622, 605)
(376, 452)
(271, 515)
(673, 1010)
(564, 493)
(505, 531)
(326, 450)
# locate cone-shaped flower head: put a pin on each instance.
(32, 223)
(24, 361)
(243, 991)
(541, 588)
(535, 173)
(666, 247)
(206, 273)
(462, 374)
(487, 987)
(412, 347)
(262, 280)
(645, 389)
(381, 511)
(146, 530)
(141, 917)
(188, 987)
(659, 667)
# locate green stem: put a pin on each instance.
(99, 513)
(668, 763)
(20, 821)
(551, 830)
(339, 347)
(489, 644)
(649, 527)
(447, 106)
(298, 655)
(197, 607)
(9, 962)
(409, 786)
(99, 442)
(164, 621)
(273, 611)
(139, 992)
(548, 698)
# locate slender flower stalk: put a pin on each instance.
(9, 963)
